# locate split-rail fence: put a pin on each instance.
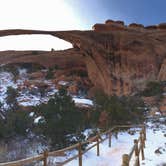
(136, 151)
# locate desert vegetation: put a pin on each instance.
(61, 123)
(153, 89)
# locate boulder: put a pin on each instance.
(109, 21)
(154, 110)
(37, 75)
(108, 27)
(135, 25)
(120, 22)
(151, 27)
(150, 100)
(162, 26)
(73, 89)
(26, 83)
(163, 109)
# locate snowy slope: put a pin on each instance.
(6, 80)
(109, 156)
(156, 139)
(155, 151)
(26, 98)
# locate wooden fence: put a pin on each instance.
(137, 149)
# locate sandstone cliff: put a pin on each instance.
(119, 59)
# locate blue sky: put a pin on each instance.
(78, 14)
(147, 12)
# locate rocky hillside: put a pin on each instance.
(119, 59)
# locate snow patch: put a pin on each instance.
(63, 83)
(39, 119)
(83, 101)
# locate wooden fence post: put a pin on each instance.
(98, 151)
(109, 139)
(144, 135)
(142, 145)
(125, 160)
(116, 134)
(45, 157)
(136, 147)
(143, 138)
(144, 131)
(142, 152)
(136, 151)
(80, 154)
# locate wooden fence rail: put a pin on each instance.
(137, 149)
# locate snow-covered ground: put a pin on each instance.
(21, 147)
(26, 98)
(109, 156)
(155, 151)
(83, 101)
(6, 80)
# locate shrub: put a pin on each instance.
(1, 105)
(11, 98)
(62, 119)
(49, 74)
(80, 73)
(120, 109)
(15, 123)
(35, 52)
(12, 69)
(15, 72)
(55, 67)
(2, 128)
(152, 89)
(42, 91)
(31, 67)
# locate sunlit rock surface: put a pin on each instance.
(119, 59)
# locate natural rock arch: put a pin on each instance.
(114, 61)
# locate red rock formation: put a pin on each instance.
(151, 27)
(162, 26)
(135, 25)
(109, 22)
(109, 26)
(66, 59)
(120, 22)
(37, 75)
(118, 60)
(162, 73)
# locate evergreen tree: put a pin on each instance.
(120, 109)
(62, 119)
(11, 98)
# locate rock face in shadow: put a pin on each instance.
(119, 59)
